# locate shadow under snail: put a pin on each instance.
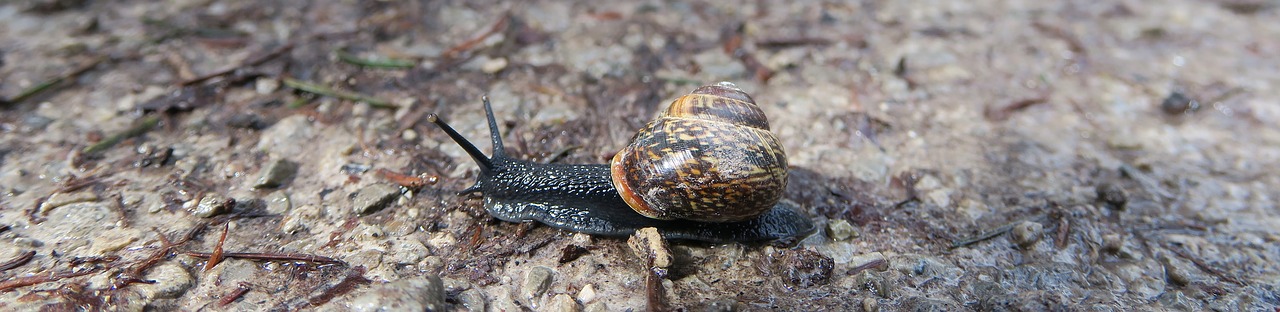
(707, 169)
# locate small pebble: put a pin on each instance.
(355, 168)
(503, 301)
(400, 227)
(840, 229)
(266, 85)
(374, 197)
(471, 300)
(494, 65)
(278, 202)
(874, 283)
(580, 239)
(441, 240)
(587, 294)
(648, 244)
(1112, 195)
(411, 294)
(536, 282)
(170, 281)
(870, 305)
(572, 252)
(213, 204)
(277, 174)
(1178, 272)
(27, 242)
(1179, 103)
(1112, 243)
(113, 240)
(1026, 233)
(63, 199)
(562, 303)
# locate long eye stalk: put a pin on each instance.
(485, 162)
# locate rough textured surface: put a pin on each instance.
(373, 198)
(536, 282)
(410, 294)
(1142, 138)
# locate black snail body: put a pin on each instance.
(723, 185)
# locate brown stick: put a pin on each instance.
(1073, 43)
(1003, 112)
(48, 84)
(1204, 266)
(354, 278)
(1064, 227)
(405, 180)
(18, 261)
(234, 295)
(654, 293)
(788, 42)
(120, 210)
(272, 257)
(37, 279)
(458, 49)
(733, 45)
(216, 257)
(134, 274)
(865, 266)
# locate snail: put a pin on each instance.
(708, 169)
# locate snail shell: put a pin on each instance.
(708, 157)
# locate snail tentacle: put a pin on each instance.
(483, 161)
(486, 163)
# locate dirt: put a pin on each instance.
(968, 156)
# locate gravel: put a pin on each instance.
(986, 155)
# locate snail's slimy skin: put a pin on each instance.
(583, 198)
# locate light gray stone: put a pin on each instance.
(171, 281)
(374, 197)
(411, 294)
(840, 229)
(277, 174)
(536, 282)
(562, 303)
(213, 204)
(1026, 233)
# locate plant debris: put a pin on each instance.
(326, 91)
(139, 128)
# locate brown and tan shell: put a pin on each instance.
(709, 157)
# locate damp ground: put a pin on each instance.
(956, 156)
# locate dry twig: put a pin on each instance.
(48, 84)
(272, 257)
(18, 261)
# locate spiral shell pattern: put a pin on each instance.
(708, 157)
